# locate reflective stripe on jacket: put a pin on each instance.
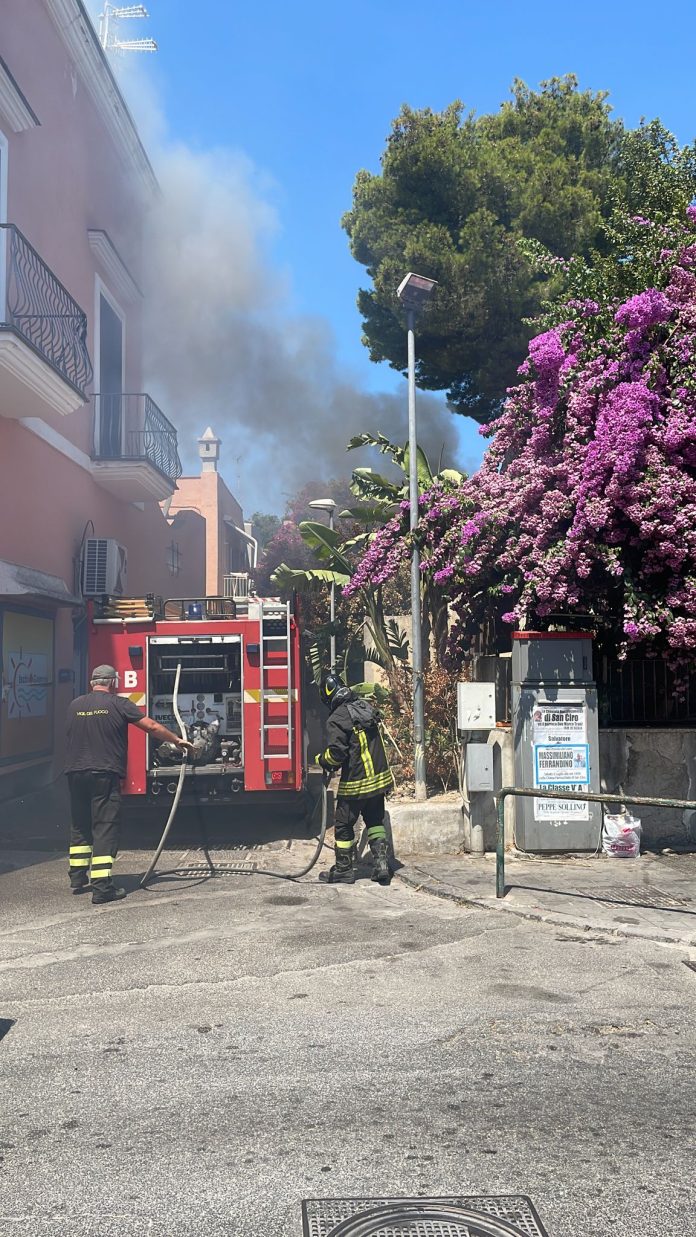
(358, 751)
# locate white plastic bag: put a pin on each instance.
(621, 835)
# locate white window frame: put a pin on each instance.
(100, 289)
(4, 157)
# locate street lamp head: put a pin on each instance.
(322, 504)
(415, 291)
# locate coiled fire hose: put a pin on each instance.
(289, 876)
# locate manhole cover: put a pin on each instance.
(421, 1217)
(641, 895)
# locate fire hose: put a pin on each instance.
(179, 786)
(290, 876)
(293, 876)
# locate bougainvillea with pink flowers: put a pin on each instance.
(584, 509)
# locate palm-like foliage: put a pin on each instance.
(379, 498)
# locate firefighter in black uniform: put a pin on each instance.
(95, 762)
(354, 745)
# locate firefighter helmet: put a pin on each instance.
(333, 689)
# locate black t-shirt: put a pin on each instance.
(97, 733)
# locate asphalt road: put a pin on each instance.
(198, 1060)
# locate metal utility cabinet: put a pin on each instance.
(556, 742)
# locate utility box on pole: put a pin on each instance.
(556, 741)
(475, 706)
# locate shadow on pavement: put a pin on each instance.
(35, 828)
(609, 897)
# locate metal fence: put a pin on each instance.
(644, 692)
(40, 310)
(634, 693)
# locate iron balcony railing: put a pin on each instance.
(131, 427)
(236, 584)
(41, 311)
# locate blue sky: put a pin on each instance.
(307, 91)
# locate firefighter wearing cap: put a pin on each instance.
(354, 745)
(95, 763)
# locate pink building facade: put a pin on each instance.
(84, 451)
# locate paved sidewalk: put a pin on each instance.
(653, 897)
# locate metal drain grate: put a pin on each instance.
(691, 965)
(225, 854)
(202, 869)
(228, 850)
(642, 895)
(6, 1024)
(473, 1216)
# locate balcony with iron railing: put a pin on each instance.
(135, 454)
(237, 584)
(44, 361)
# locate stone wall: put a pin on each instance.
(654, 763)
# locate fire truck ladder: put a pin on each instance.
(275, 637)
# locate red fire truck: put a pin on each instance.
(237, 663)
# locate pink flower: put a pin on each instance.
(644, 310)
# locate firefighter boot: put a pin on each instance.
(113, 893)
(79, 882)
(380, 853)
(343, 871)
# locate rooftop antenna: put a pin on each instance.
(108, 27)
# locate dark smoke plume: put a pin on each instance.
(222, 348)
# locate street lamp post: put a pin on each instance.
(328, 504)
(414, 291)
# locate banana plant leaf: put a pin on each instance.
(316, 662)
(423, 469)
(376, 514)
(325, 543)
(383, 444)
(289, 578)
(360, 539)
(371, 485)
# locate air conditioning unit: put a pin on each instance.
(104, 567)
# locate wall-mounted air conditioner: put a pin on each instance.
(104, 567)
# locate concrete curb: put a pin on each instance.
(421, 882)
